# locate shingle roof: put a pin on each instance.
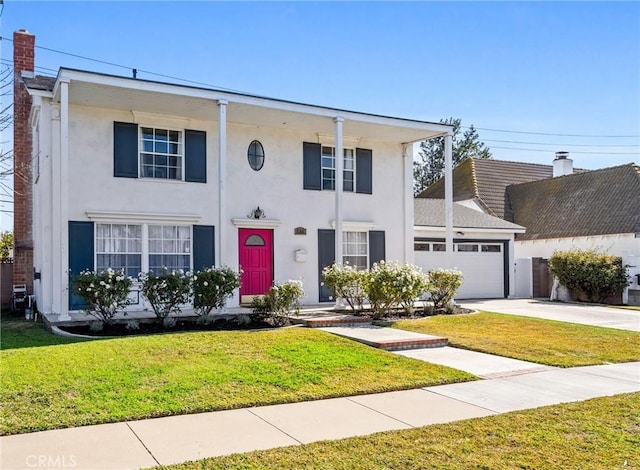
(430, 212)
(40, 82)
(485, 180)
(597, 202)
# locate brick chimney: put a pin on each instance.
(562, 164)
(23, 65)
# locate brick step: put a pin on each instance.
(409, 343)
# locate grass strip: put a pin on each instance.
(113, 380)
(531, 339)
(594, 434)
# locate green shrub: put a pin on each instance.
(211, 288)
(443, 286)
(346, 282)
(165, 292)
(389, 285)
(279, 303)
(105, 292)
(596, 275)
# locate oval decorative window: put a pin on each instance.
(254, 240)
(255, 155)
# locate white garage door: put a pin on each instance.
(481, 263)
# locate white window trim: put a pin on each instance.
(354, 225)
(116, 217)
(182, 154)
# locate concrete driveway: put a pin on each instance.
(593, 315)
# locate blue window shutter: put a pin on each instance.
(80, 257)
(364, 171)
(312, 166)
(125, 150)
(203, 247)
(195, 156)
(326, 257)
(376, 246)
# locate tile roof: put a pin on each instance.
(40, 82)
(485, 180)
(430, 212)
(597, 202)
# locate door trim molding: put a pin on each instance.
(256, 223)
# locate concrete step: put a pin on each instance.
(334, 320)
(388, 339)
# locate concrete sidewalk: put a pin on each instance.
(593, 315)
(146, 443)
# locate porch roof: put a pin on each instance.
(117, 92)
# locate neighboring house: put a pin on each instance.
(483, 247)
(598, 209)
(560, 208)
(480, 183)
(140, 175)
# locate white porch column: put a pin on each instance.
(56, 221)
(407, 167)
(448, 197)
(63, 182)
(338, 186)
(222, 183)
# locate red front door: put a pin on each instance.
(256, 260)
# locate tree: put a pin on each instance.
(6, 244)
(430, 167)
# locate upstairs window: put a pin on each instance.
(161, 153)
(255, 155)
(329, 169)
(156, 153)
(319, 168)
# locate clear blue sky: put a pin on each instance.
(546, 67)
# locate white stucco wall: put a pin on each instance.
(277, 189)
(624, 245)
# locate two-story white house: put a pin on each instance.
(143, 175)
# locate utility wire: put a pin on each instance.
(577, 151)
(560, 144)
(554, 135)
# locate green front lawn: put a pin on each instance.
(594, 434)
(18, 333)
(531, 339)
(112, 380)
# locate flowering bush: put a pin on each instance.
(165, 291)
(105, 292)
(389, 285)
(411, 284)
(279, 302)
(211, 288)
(346, 282)
(443, 286)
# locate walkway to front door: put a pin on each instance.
(256, 260)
